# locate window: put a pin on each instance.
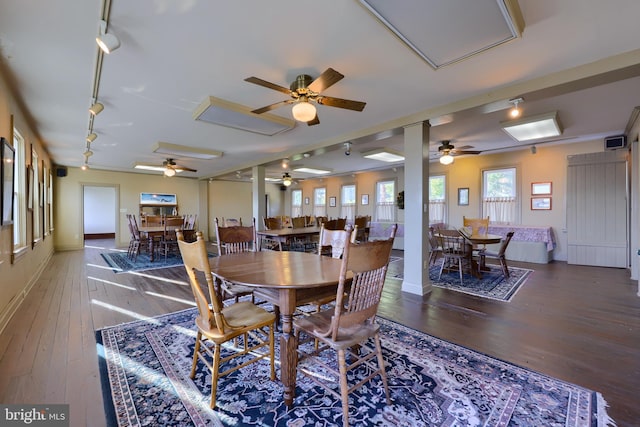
(437, 198)
(348, 202)
(37, 223)
(19, 198)
(296, 203)
(385, 201)
(320, 201)
(499, 195)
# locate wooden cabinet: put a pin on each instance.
(155, 209)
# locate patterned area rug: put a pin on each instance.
(145, 369)
(492, 285)
(120, 263)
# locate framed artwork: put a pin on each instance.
(540, 188)
(541, 203)
(332, 202)
(7, 171)
(365, 199)
(30, 187)
(158, 199)
(306, 200)
(463, 196)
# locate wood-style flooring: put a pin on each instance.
(579, 324)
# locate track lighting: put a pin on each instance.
(515, 111)
(534, 150)
(347, 148)
(285, 163)
(107, 41)
(91, 137)
(96, 108)
(86, 164)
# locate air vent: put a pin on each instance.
(229, 114)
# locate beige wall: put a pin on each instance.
(68, 200)
(18, 274)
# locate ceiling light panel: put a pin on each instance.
(176, 150)
(384, 155)
(534, 127)
(314, 171)
(427, 29)
(156, 168)
(225, 113)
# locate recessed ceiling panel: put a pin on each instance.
(446, 31)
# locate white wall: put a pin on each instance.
(99, 210)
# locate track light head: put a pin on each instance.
(96, 108)
(515, 111)
(107, 41)
(91, 137)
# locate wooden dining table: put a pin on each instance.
(286, 235)
(154, 233)
(479, 239)
(288, 280)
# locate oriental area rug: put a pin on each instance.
(145, 368)
(492, 285)
(121, 263)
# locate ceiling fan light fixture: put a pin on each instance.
(534, 127)
(286, 179)
(446, 159)
(303, 111)
(169, 172)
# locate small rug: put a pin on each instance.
(492, 285)
(145, 368)
(120, 263)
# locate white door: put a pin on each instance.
(597, 209)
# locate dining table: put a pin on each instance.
(286, 235)
(154, 233)
(473, 240)
(287, 280)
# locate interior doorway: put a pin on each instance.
(100, 213)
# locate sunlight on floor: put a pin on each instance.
(103, 267)
(158, 278)
(184, 301)
(130, 313)
(107, 282)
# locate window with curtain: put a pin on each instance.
(348, 202)
(385, 201)
(499, 195)
(437, 198)
(296, 203)
(320, 201)
(19, 194)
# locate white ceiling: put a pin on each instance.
(176, 53)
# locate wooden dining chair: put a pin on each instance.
(477, 226)
(231, 240)
(435, 249)
(346, 328)
(320, 220)
(454, 251)
(301, 243)
(500, 255)
(169, 241)
(362, 223)
(272, 223)
(218, 325)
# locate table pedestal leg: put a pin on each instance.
(288, 359)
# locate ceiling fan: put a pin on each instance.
(170, 167)
(304, 91)
(447, 150)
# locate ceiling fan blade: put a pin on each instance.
(314, 121)
(341, 103)
(264, 83)
(272, 106)
(465, 152)
(327, 79)
(183, 168)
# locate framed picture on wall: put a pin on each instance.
(541, 203)
(6, 181)
(463, 196)
(332, 202)
(306, 200)
(540, 188)
(364, 200)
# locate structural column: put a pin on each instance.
(416, 205)
(258, 193)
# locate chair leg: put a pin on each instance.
(195, 355)
(214, 374)
(383, 372)
(460, 269)
(344, 388)
(505, 269)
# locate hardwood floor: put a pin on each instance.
(579, 324)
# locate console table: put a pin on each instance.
(529, 243)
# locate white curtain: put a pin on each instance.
(385, 211)
(436, 211)
(501, 210)
(319, 210)
(296, 211)
(348, 211)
